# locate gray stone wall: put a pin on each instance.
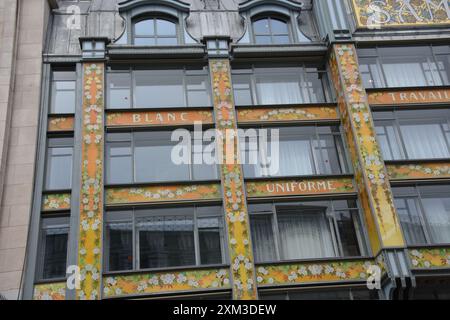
(22, 25)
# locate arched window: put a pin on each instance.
(271, 30)
(155, 32)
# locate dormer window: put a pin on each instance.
(270, 30)
(155, 32)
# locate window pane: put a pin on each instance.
(210, 241)
(263, 40)
(279, 27)
(165, 28)
(119, 90)
(159, 89)
(144, 28)
(327, 154)
(54, 247)
(281, 39)
(144, 41)
(203, 163)
(119, 235)
(166, 41)
(443, 66)
(304, 232)
(410, 220)
(119, 162)
(405, 66)
(261, 27)
(424, 141)
(158, 153)
(197, 91)
(437, 212)
(312, 88)
(347, 233)
(263, 238)
(242, 92)
(166, 240)
(63, 100)
(278, 86)
(296, 158)
(59, 168)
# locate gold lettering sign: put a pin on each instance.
(158, 118)
(281, 188)
(407, 97)
(394, 13)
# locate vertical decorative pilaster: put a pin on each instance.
(91, 195)
(370, 172)
(234, 201)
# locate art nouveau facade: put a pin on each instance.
(359, 207)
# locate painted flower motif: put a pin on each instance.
(168, 278)
(315, 269)
(302, 271)
(416, 253)
(153, 281)
(181, 278)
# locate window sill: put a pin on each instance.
(313, 260)
(167, 269)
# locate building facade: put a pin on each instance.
(93, 205)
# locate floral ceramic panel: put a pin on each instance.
(427, 258)
(280, 188)
(50, 291)
(165, 282)
(91, 194)
(404, 13)
(303, 273)
(172, 193)
(56, 202)
(427, 97)
(236, 214)
(60, 124)
(256, 115)
(370, 173)
(158, 118)
(418, 171)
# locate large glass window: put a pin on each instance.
(424, 213)
(59, 164)
(147, 157)
(271, 31)
(167, 88)
(315, 150)
(414, 134)
(405, 66)
(306, 230)
(154, 32)
(63, 92)
(280, 85)
(161, 238)
(53, 248)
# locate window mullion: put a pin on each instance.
(196, 240)
(276, 231)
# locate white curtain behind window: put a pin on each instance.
(425, 141)
(296, 158)
(262, 238)
(278, 91)
(304, 233)
(404, 75)
(437, 211)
